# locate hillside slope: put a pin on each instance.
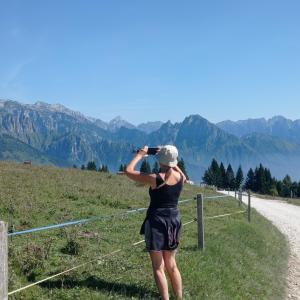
(241, 260)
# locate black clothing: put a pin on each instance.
(165, 195)
(162, 225)
(162, 229)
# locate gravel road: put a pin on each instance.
(286, 217)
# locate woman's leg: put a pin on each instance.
(159, 273)
(174, 274)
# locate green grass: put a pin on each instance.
(294, 201)
(241, 260)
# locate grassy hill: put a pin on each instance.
(241, 261)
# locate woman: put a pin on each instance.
(162, 224)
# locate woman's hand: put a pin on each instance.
(143, 151)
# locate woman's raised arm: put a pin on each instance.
(180, 171)
(130, 171)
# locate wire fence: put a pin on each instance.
(97, 218)
(86, 220)
(200, 220)
(83, 264)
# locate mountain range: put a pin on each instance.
(54, 134)
(277, 126)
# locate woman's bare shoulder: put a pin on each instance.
(177, 174)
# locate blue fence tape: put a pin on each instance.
(82, 221)
(48, 227)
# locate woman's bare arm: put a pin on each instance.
(180, 171)
(149, 179)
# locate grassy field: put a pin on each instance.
(241, 261)
(294, 201)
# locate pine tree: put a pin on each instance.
(279, 187)
(230, 179)
(74, 166)
(82, 167)
(155, 168)
(239, 178)
(91, 166)
(121, 168)
(298, 189)
(294, 189)
(181, 166)
(249, 185)
(145, 167)
(104, 169)
(212, 176)
(273, 189)
(269, 181)
(216, 173)
(260, 180)
(222, 176)
(256, 184)
(286, 186)
(148, 167)
(207, 177)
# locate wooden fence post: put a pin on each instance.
(3, 261)
(240, 195)
(235, 194)
(249, 206)
(200, 222)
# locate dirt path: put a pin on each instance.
(286, 218)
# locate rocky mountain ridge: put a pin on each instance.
(64, 138)
(277, 126)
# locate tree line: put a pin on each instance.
(91, 166)
(223, 178)
(144, 168)
(259, 180)
(147, 169)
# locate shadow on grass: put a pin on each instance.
(97, 284)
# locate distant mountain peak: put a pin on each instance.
(278, 117)
(58, 108)
(150, 127)
(192, 119)
(117, 119)
(53, 107)
(168, 124)
(119, 122)
(277, 126)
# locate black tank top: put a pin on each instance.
(165, 196)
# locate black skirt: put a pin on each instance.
(161, 228)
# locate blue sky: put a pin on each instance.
(154, 60)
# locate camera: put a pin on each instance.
(151, 150)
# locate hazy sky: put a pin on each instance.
(154, 60)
